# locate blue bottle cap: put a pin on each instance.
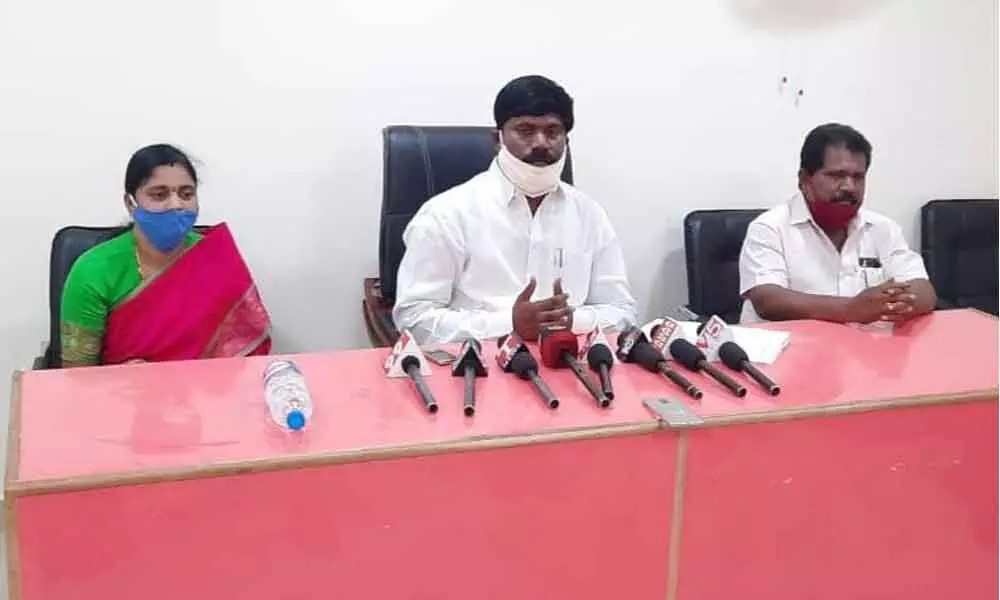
(295, 420)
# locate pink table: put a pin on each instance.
(168, 481)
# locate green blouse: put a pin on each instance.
(100, 279)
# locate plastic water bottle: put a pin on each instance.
(287, 395)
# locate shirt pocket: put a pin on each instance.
(872, 276)
(871, 262)
(574, 267)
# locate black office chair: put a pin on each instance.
(712, 243)
(417, 164)
(959, 244)
(67, 246)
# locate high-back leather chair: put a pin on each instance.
(959, 244)
(67, 246)
(712, 243)
(418, 163)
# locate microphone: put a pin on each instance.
(633, 347)
(735, 357)
(559, 348)
(691, 357)
(514, 357)
(406, 360)
(411, 366)
(597, 353)
(469, 364)
(712, 333)
(662, 333)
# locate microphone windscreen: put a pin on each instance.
(507, 346)
(409, 362)
(646, 356)
(554, 343)
(733, 356)
(599, 354)
(627, 340)
(523, 364)
(686, 353)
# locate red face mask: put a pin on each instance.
(832, 215)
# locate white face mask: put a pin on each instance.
(529, 179)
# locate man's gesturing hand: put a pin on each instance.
(529, 317)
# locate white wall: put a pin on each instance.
(678, 108)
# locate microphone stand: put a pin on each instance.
(470, 390)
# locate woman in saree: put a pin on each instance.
(161, 291)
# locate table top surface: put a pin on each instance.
(136, 418)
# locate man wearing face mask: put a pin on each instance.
(514, 248)
(821, 256)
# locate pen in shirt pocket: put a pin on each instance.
(558, 260)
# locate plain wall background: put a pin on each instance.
(679, 107)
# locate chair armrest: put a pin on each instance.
(42, 361)
(377, 313)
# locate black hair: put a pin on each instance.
(832, 135)
(142, 164)
(534, 96)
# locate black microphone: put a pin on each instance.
(600, 359)
(411, 365)
(559, 348)
(469, 364)
(633, 347)
(514, 357)
(735, 357)
(691, 357)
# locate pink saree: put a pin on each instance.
(204, 305)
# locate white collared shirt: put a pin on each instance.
(472, 249)
(785, 247)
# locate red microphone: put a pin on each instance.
(559, 348)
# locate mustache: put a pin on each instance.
(846, 198)
(540, 157)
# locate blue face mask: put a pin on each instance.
(165, 230)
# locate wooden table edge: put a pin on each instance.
(10, 476)
(845, 408)
(14, 489)
(989, 316)
(14, 430)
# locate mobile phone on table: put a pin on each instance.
(440, 357)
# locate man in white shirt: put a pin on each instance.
(514, 248)
(821, 256)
